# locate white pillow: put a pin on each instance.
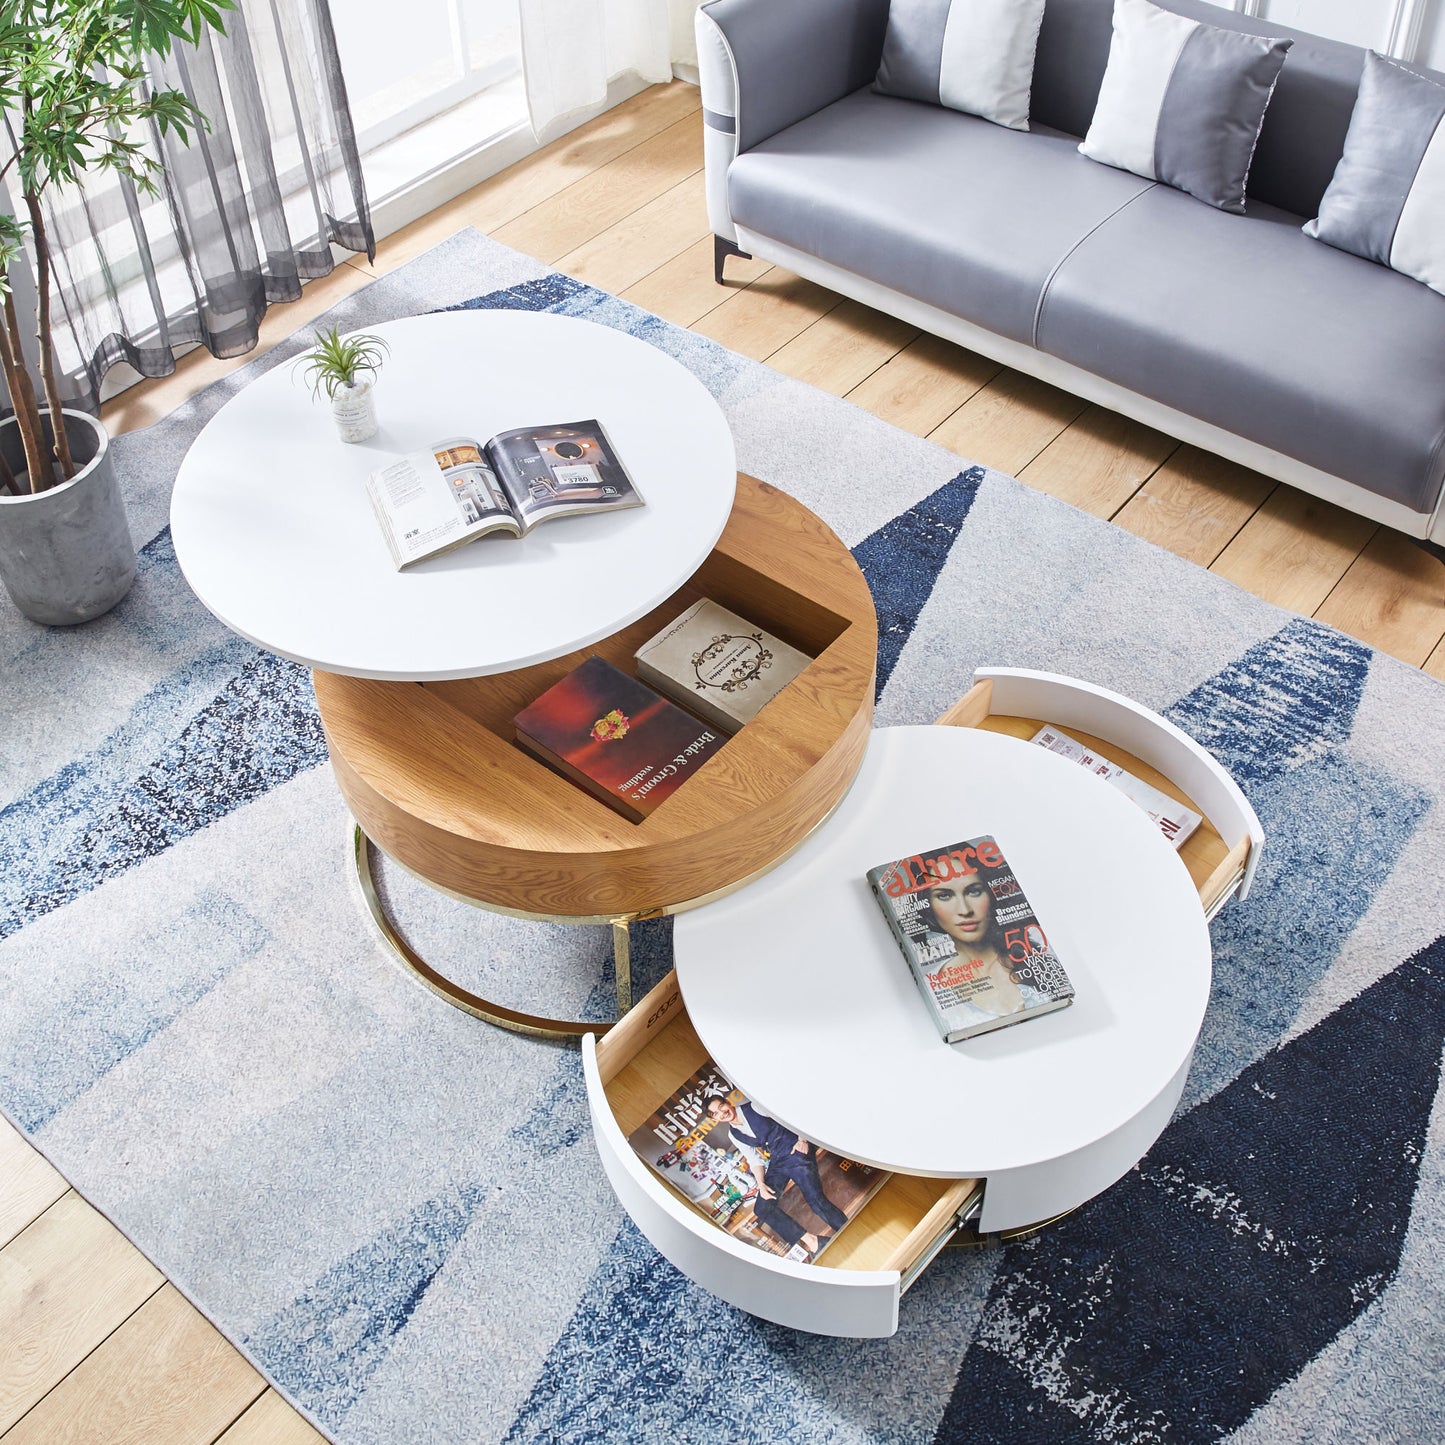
(1183, 102)
(970, 55)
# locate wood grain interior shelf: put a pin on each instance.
(432, 773)
(640, 1066)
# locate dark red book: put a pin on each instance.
(614, 736)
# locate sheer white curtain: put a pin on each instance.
(572, 50)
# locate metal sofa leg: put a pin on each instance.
(721, 250)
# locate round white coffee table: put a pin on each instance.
(798, 990)
(275, 534)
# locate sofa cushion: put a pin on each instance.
(1245, 322)
(1387, 200)
(1183, 102)
(970, 55)
(964, 215)
(1304, 127)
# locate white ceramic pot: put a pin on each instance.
(66, 553)
(354, 410)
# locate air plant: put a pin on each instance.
(336, 362)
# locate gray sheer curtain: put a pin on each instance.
(246, 212)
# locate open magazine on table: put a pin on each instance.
(460, 489)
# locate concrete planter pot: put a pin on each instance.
(66, 554)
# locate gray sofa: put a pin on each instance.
(1237, 333)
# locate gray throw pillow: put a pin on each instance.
(1386, 201)
(1183, 102)
(970, 55)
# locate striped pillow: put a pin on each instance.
(1386, 201)
(1183, 102)
(970, 55)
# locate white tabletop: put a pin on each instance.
(276, 536)
(799, 992)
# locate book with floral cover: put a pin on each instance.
(719, 664)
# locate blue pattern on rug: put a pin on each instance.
(1257, 1229)
(49, 1057)
(902, 559)
(1288, 700)
(1282, 716)
(326, 1346)
(258, 732)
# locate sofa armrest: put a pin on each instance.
(765, 64)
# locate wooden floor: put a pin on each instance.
(95, 1345)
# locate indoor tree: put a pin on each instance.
(74, 89)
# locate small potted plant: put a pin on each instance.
(345, 368)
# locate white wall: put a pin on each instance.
(1409, 29)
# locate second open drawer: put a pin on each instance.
(855, 1287)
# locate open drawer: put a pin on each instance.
(855, 1286)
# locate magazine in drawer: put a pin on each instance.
(855, 1284)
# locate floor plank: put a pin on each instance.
(1294, 550)
(66, 1282)
(542, 175)
(608, 195)
(639, 244)
(28, 1183)
(683, 290)
(765, 315)
(1392, 598)
(1007, 423)
(1195, 504)
(842, 347)
(921, 387)
(165, 1377)
(271, 1421)
(1099, 462)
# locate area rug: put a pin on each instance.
(398, 1213)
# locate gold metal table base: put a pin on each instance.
(475, 1004)
(500, 1014)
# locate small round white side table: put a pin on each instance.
(798, 990)
(275, 534)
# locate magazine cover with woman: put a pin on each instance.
(749, 1174)
(978, 951)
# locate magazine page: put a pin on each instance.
(1176, 821)
(428, 502)
(561, 470)
(747, 1173)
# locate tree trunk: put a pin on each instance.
(22, 397)
(42, 332)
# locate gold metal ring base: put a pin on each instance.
(1001, 1237)
(475, 1004)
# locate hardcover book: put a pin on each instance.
(977, 950)
(460, 489)
(1175, 821)
(748, 1174)
(718, 664)
(616, 737)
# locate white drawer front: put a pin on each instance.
(861, 1304)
